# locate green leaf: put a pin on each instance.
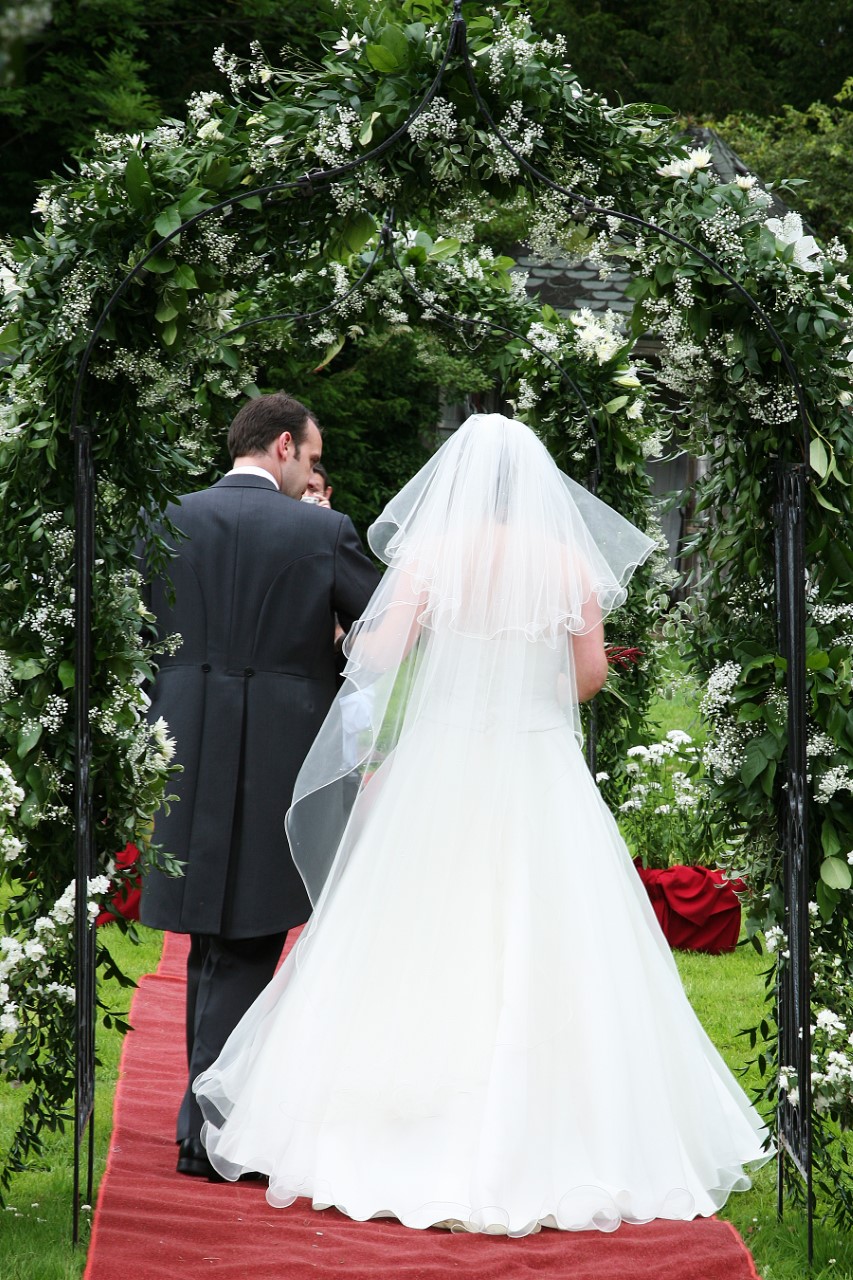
(446, 247)
(185, 276)
(330, 352)
(170, 333)
(818, 457)
(366, 134)
(824, 502)
(395, 42)
(191, 203)
(138, 182)
(27, 668)
(758, 753)
(28, 741)
(357, 231)
(10, 337)
(165, 311)
(827, 899)
(829, 840)
(159, 265)
(836, 873)
(817, 661)
(380, 58)
(168, 221)
(66, 674)
(617, 403)
(28, 814)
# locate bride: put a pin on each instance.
(481, 1025)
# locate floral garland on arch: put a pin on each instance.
(173, 359)
(743, 412)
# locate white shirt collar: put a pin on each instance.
(253, 471)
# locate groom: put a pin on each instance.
(253, 588)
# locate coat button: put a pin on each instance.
(205, 666)
(248, 671)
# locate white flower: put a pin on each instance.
(602, 777)
(347, 43)
(745, 181)
(829, 1021)
(789, 230)
(211, 131)
(698, 158)
(9, 1020)
(163, 745)
(773, 937)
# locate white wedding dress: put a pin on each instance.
(482, 1023)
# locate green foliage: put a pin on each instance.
(708, 57)
(379, 407)
(120, 65)
(813, 146)
(660, 815)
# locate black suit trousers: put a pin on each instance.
(224, 977)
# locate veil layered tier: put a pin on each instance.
(489, 542)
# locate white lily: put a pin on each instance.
(789, 230)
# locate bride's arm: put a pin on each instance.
(588, 651)
(388, 637)
(590, 657)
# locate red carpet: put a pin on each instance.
(152, 1224)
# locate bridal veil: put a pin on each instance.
(491, 552)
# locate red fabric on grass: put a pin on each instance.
(697, 907)
(153, 1224)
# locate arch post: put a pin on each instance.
(793, 991)
(84, 842)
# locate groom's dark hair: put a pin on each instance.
(262, 420)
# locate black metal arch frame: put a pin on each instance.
(793, 990)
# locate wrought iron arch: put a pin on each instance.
(795, 1131)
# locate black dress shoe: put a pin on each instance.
(193, 1161)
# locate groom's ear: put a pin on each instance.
(283, 444)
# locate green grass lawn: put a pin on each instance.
(35, 1229)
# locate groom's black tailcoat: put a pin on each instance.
(253, 592)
